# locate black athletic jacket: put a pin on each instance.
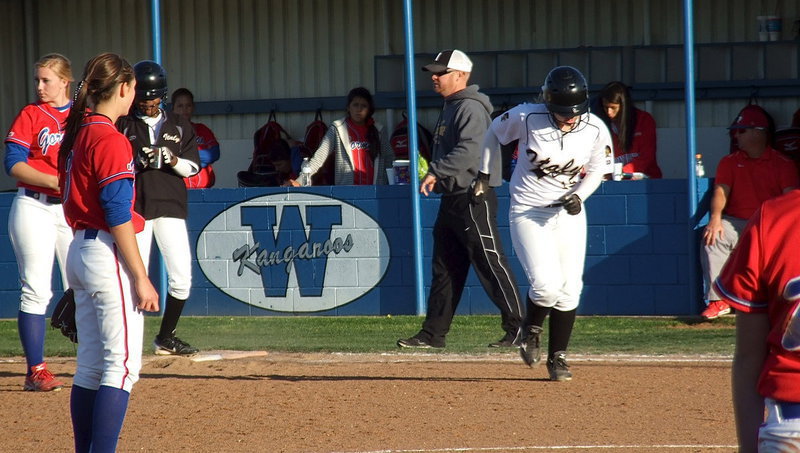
(162, 192)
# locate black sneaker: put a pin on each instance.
(173, 346)
(558, 368)
(530, 347)
(416, 343)
(510, 340)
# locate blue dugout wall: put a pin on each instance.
(347, 250)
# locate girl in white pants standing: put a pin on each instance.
(105, 267)
(36, 224)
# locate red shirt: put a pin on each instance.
(762, 275)
(204, 178)
(753, 181)
(363, 167)
(40, 128)
(641, 153)
(100, 155)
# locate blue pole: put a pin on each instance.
(691, 148)
(411, 96)
(155, 22)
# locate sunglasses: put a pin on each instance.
(443, 73)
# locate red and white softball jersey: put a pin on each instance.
(363, 167)
(550, 161)
(100, 155)
(753, 181)
(39, 127)
(762, 275)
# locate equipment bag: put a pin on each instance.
(399, 140)
(315, 132)
(264, 140)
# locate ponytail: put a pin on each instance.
(73, 124)
(101, 76)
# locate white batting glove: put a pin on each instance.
(167, 155)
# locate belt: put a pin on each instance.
(554, 205)
(89, 234)
(42, 197)
(789, 410)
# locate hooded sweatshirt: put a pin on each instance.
(457, 140)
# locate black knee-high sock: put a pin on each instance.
(172, 313)
(561, 323)
(535, 314)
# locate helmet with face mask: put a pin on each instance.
(565, 91)
(151, 81)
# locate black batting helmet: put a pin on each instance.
(151, 80)
(565, 91)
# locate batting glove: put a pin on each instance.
(571, 203)
(478, 188)
(143, 158)
(167, 155)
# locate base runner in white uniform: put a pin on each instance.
(564, 154)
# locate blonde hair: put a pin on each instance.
(59, 64)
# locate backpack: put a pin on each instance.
(264, 140)
(787, 141)
(315, 132)
(399, 140)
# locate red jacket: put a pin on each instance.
(641, 153)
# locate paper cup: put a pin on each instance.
(773, 23)
(402, 174)
(390, 175)
(617, 175)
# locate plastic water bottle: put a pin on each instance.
(699, 170)
(305, 172)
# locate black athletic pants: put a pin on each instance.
(467, 235)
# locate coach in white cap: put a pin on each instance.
(464, 233)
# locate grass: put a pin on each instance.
(468, 334)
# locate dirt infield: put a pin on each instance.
(324, 403)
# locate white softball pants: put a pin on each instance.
(551, 246)
(173, 243)
(110, 327)
(38, 230)
(778, 434)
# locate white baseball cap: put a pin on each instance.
(450, 59)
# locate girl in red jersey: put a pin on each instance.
(361, 148)
(36, 223)
(104, 266)
(207, 145)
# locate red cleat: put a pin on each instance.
(715, 309)
(41, 380)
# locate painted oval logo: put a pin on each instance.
(293, 252)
